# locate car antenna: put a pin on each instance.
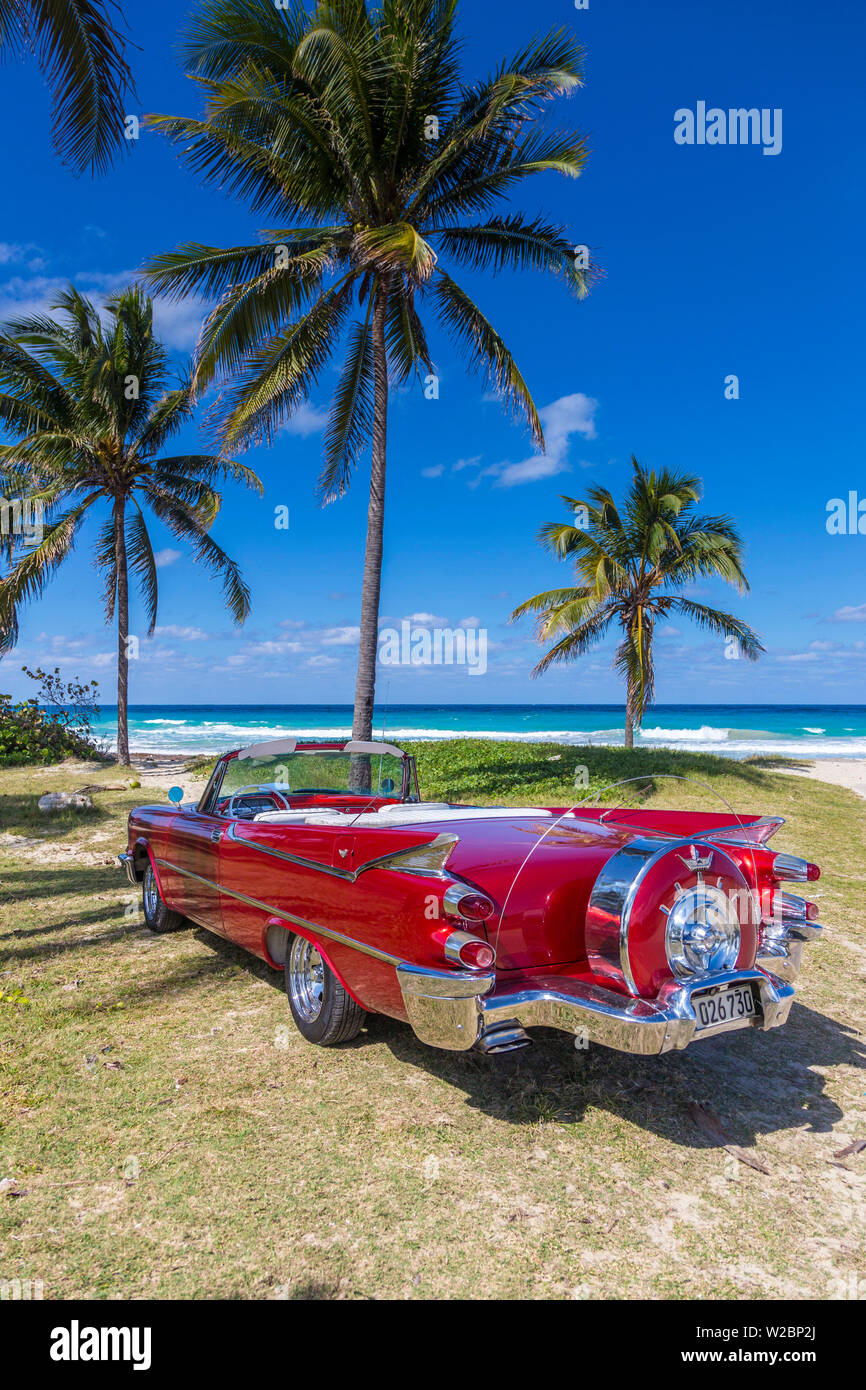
(385, 710)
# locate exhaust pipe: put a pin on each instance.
(503, 1037)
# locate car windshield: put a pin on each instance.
(356, 774)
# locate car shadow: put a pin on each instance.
(754, 1082)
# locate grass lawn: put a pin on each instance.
(168, 1134)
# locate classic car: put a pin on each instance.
(643, 930)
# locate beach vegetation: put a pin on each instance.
(92, 405)
(632, 560)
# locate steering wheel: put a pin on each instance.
(282, 803)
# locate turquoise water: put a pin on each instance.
(809, 731)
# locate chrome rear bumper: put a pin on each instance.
(457, 1009)
(129, 864)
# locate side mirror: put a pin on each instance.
(175, 794)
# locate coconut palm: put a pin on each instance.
(350, 128)
(92, 407)
(629, 561)
(80, 53)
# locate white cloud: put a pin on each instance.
(306, 420)
(849, 614)
(164, 558)
(340, 636)
(435, 472)
(574, 414)
(16, 251)
(530, 470)
(177, 323)
(186, 634)
(271, 648)
(426, 620)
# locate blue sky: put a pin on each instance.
(718, 260)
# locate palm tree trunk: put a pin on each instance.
(365, 683)
(122, 635)
(629, 716)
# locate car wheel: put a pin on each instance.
(156, 915)
(323, 1011)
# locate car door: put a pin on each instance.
(191, 864)
(266, 871)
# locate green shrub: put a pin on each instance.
(53, 725)
(553, 774)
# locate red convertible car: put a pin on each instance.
(641, 930)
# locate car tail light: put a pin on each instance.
(469, 951)
(462, 901)
(785, 907)
(788, 866)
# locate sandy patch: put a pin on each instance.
(164, 770)
(842, 772)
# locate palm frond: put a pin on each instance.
(515, 243)
(81, 54)
(720, 624)
(183, 522)
(351, 419)
(142, 562)
(279, 375)
(29, 575)
(486, 351)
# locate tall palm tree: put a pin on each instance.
(80, 53)
(92, 406)
(349, 126)
(629, 561)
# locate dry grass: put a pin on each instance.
(168, 1135)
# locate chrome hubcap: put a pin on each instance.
(306, 976)
(151, 892)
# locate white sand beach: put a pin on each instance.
(842, 772)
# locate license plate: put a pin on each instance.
(728, 1006)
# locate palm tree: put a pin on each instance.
(627, 561)
(92, 407)
(350, 128)
(80, 53)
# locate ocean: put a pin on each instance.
(735, 731)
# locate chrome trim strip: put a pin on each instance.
(231, 834)
(348, 875)
(286, 916)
